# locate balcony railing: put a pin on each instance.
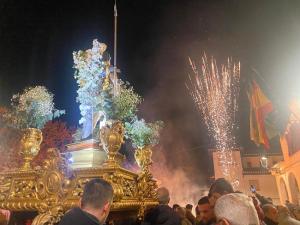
(256, 171)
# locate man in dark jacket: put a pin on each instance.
(162, 214)
(219, 188)
(94, 207)
(189, 215)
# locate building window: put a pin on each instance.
(249, 165)
(255, 184)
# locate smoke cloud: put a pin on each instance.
(181, 184)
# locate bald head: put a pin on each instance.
(163, 196)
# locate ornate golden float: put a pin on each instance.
(48, 191)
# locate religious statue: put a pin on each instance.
(93, 77)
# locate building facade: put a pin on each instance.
(287, 172)
(249, 171)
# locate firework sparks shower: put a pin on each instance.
(215, 92)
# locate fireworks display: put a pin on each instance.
(215, 92)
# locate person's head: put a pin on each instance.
(270, 200)
(181, 212)
(218, 188)
(175, 207)
(97, 198)
(236, 209)
(271, 212)
(163, 196)
(283, 212)
(296, 212)
(197, 213)
(205, 210)
(189, 207)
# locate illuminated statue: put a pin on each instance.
(92, 76)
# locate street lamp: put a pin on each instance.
(264, 162)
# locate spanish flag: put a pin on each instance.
(261, 129)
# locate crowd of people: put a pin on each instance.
(222, 206)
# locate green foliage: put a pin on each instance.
(143, 134)
(121, 107)
(125, 104)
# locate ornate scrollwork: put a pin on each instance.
(23, 189)
(77, 191)
(50, 189)
(123, 187)
(47, 190)
(51, 180)
(115, 181)
(146, 184)
(50, 217)
(5, 184)
(129, 188)
(143, 158)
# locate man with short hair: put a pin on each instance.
(175, 207)
(188, 213)
(182, 215)
(296, 212)
(236, 209)
(197, 213)
(206, 212)
(94, 207)
(271, 214)
(284, 217)
(218, 188)
(163, 196)
(162, 214)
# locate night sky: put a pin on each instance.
(155, 39)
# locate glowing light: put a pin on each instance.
(68, 157)
(264, 162)
(215, 92)
(70, 160)
(91, 69)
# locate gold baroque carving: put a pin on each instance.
(48, 191)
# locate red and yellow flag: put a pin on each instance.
(260, 107)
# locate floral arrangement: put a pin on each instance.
(143, 134)
(124, 105)
(33, 108)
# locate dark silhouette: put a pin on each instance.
(95, 205)
(162, 214)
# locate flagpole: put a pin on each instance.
(115, 49)
(261, 78)
(266, 85)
